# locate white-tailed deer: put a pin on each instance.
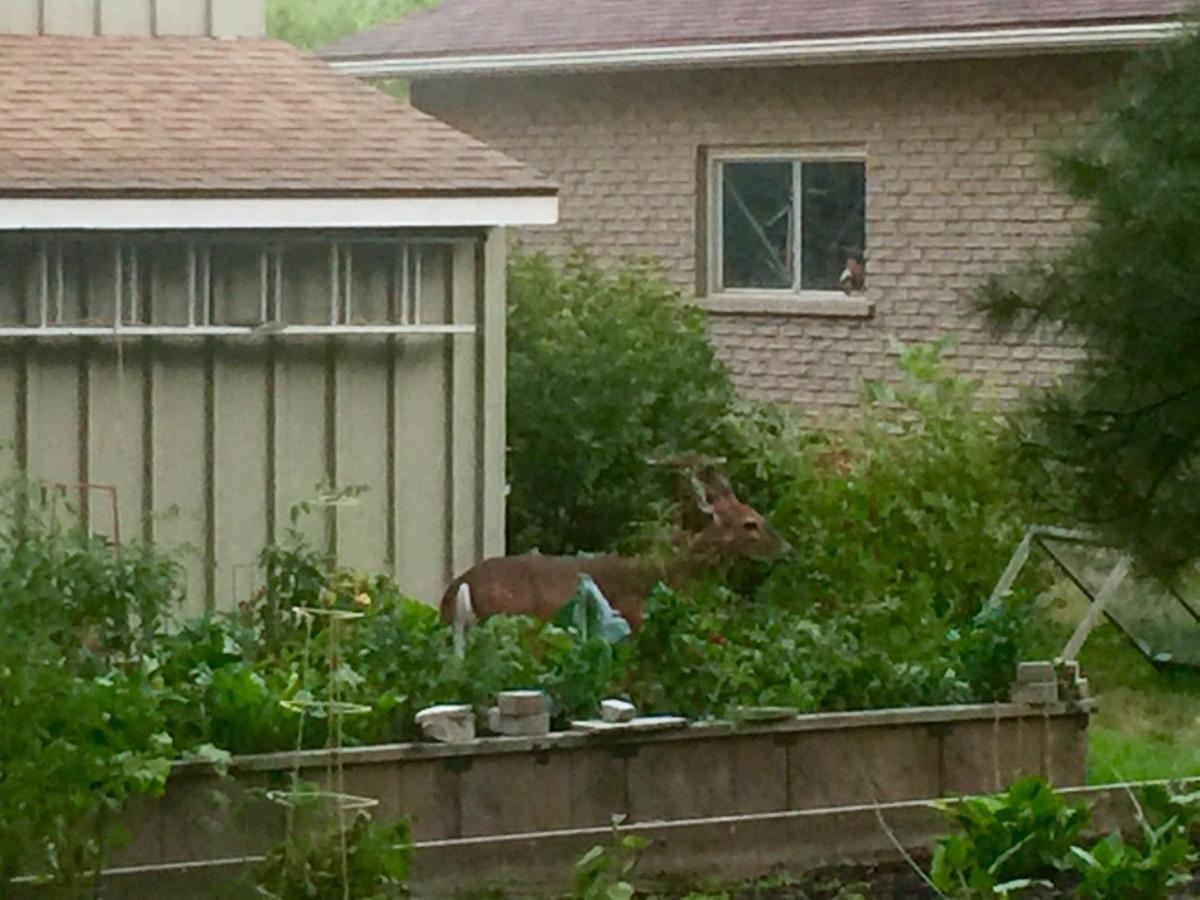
(714, 526)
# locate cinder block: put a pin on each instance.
(518, 726)
(448, 723)
(1036, 672)
(617, 711)
(1039, 694)
(521, 703)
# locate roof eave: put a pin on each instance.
(823, 51)
(249, 213)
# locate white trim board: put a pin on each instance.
(859, 49)
(29, 213)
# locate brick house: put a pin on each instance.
(754, 145)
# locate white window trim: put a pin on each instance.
(772, 301)
(29, 213)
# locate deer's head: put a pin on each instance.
(721, 525)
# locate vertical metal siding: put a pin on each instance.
(218, 437)
(216, 18)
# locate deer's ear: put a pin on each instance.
(702, 495)
(715, 485)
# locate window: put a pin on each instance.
(172, 285)
(783, 224)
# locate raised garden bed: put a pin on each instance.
(512, 809)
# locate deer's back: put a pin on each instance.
(540, 586)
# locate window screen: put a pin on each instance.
(789, 224)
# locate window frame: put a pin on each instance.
(122, 312)
(722, 297)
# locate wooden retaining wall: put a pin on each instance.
(507, 810)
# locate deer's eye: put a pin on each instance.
(751, 525)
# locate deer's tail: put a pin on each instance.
(463, 617)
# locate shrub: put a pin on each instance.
(605, 372)
(907, 509)
(81, 731)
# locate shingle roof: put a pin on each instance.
(204, 117)
(487, 27)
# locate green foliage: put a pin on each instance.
(606, 371)
(1124, 431)
(1114, 869)
(313, 23)
(81, 731)
(377, 860)
(1163, 859)
(1030, 836)
(603, 872)
(901, 520)
(1007, 840)
(911, 505)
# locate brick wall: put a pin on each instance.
(956, 189)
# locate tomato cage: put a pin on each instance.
(1155, 617)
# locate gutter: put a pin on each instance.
(825, 51)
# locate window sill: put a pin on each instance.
(820, 304)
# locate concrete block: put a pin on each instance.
(617, 711)
(448, 723)
(1068, 670)
(1036, 694)
(1035, 672)
(534, 725)
(521, 703)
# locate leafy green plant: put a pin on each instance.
(81, 730)
(603, 872)
(1008, 841)
(1162, 860)
(606, 371)
(310, 866)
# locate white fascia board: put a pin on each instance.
(828, 51)
(30, 213)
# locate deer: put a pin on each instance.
(713, 526)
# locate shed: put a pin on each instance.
(229, 274)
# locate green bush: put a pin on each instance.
(912, 505)
(605, 372)
(81, 731)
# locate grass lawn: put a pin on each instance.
(1148, 722)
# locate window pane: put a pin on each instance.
(833, 221)
(236, 285)
(756, 225)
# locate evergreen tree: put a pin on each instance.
(1123, 430)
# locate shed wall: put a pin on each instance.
(210, 441)
(217, 18)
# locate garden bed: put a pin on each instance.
(481, 803)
